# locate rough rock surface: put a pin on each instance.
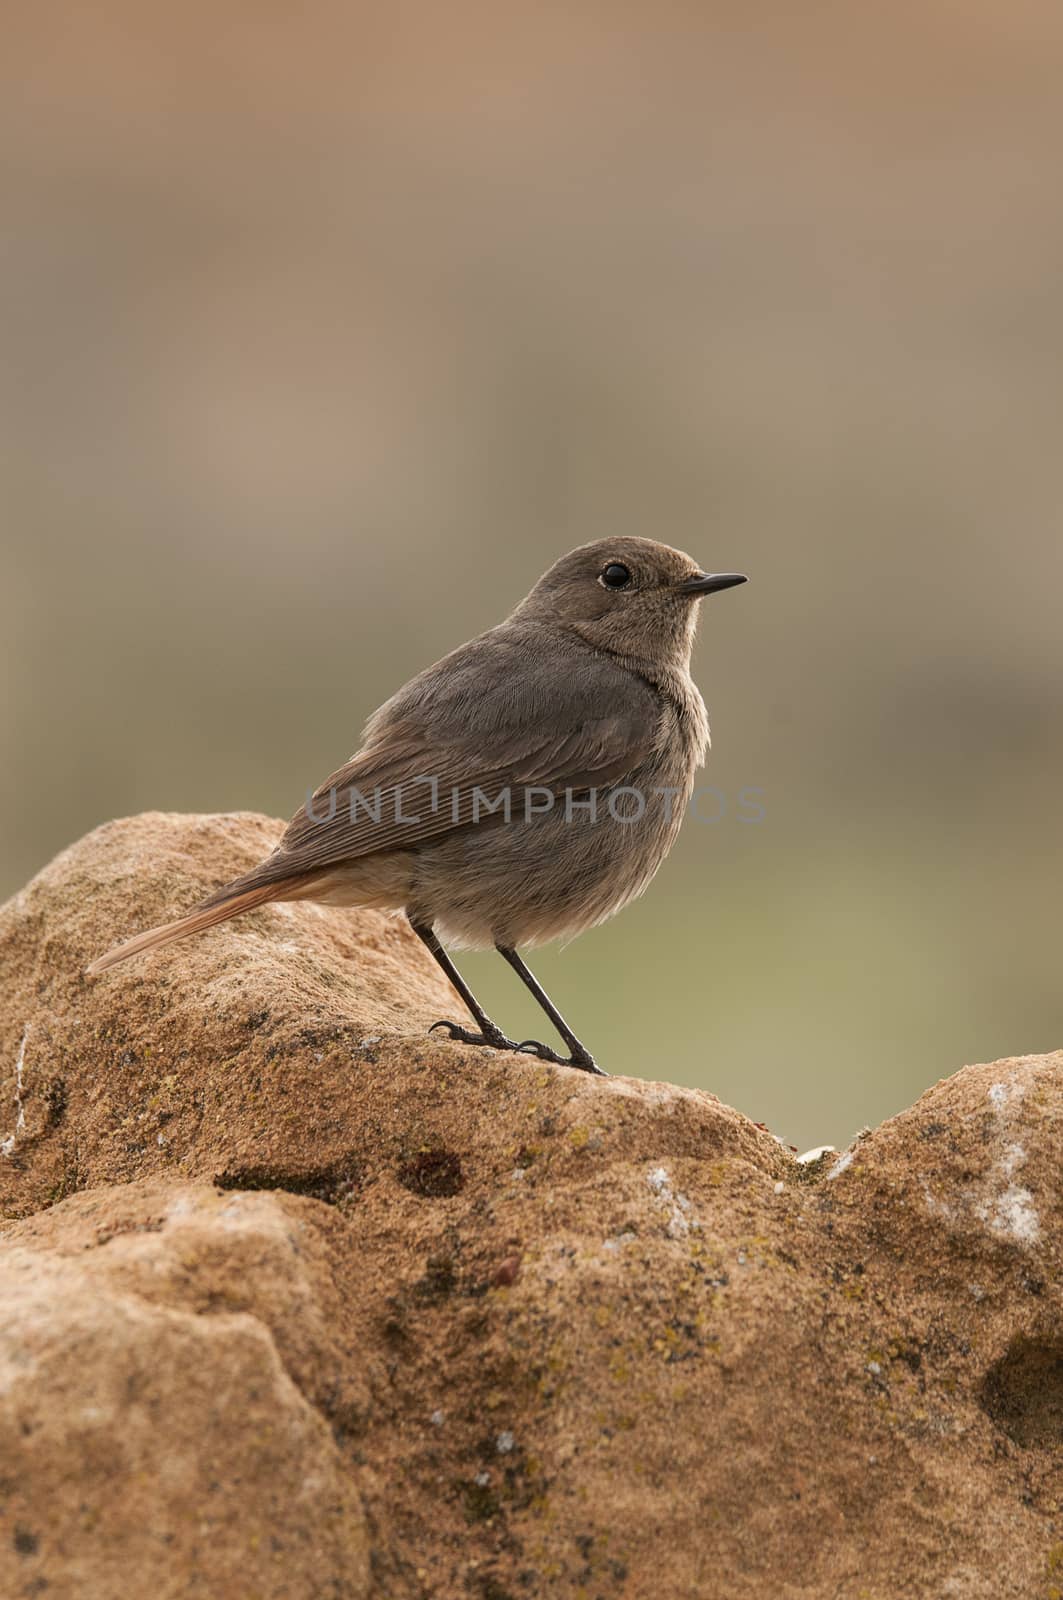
(298, 1302)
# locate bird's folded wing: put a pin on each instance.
(446, 758)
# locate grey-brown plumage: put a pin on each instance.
(523, 788)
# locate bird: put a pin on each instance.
(522, 789)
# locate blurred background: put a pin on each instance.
(326, 329)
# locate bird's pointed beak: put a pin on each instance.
(710, 582)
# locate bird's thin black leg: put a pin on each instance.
(490, 1033)
(581, 1056)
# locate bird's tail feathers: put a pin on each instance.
(231, 901)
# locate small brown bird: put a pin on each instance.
(520, 790)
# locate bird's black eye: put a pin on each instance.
(616, 576)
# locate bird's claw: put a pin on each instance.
(453, 1029)
(584, 1061)
(495, 1041)
(529, 1047)
(535, 1047)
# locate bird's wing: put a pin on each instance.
(497, 714)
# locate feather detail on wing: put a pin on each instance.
(445, 752)
(381, 802)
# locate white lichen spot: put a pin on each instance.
(875, 1368)
(1014, 1156)
(1010, 1212)
(817, 1154)
(482, 1479)
(678, 1224)
(518, 1174)
(1013, 1215)
(7, 1146)
(780, 1187)
(505, 1442)
(437, 1419)
(843, 1163)
(20, 1119)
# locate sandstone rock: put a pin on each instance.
(152, 1440)
(553, 1335)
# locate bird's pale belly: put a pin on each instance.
(550, 876)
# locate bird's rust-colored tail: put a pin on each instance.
(230, 902)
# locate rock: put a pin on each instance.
(279, 1269)
(153, 1433)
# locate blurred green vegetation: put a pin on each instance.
(325, 334)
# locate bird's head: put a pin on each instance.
(632, 597)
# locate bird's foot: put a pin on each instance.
(495, 1039)
(579, 1058)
